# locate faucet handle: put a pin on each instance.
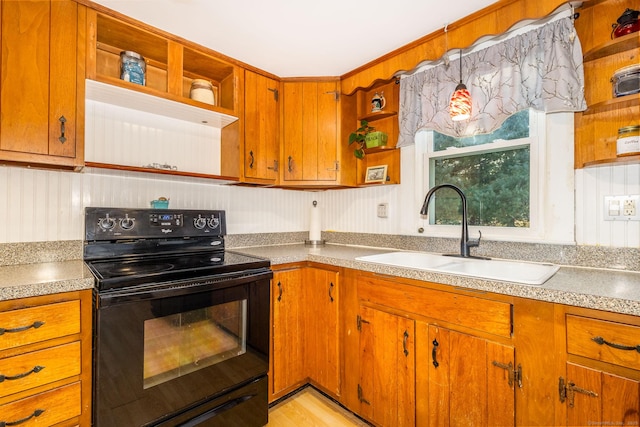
(474, 243)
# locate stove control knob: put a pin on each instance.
(127, 223)
(213, 222)
(199, 222)
(106, 223)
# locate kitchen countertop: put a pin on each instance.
(603, 289)
(30, 280)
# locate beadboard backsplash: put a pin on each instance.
(47, 205)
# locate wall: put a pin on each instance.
(42, 205)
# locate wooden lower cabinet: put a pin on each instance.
(287, 308)
(45, 360)
(305, 330)
(593, 397)
(386, 389)
(471, 380)
(402, 352)
(322, 329)
(426, 358)
(599, 379)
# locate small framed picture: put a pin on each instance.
(376, 174)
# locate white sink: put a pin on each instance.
(528, 273)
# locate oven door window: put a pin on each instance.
(182, 343)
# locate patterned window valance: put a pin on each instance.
(540, 69)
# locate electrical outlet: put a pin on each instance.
(629, 207)
(382, 210)
(625, 208)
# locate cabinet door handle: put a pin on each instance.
(290, 164)
(251, 159)
(434, 353)
(275, 166)
(34, 325)
(336, 167)
(405, 338)
(331, 291)
(280, 291)
(602, 341)
(35, 370)
(62, 121)
(275, 93)
(35, 414)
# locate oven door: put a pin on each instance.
(167, 349)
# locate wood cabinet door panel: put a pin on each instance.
(322, 328)
(24, 90)
(465, 385)
(288, 311)
(261, 127)
(387, 371)
(327, 131)
(292, 131)
(38, 86)
(62, 86)
(310, 131)
(585, 409)
(309, 155)
(601, 398)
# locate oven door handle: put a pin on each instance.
(182, 287)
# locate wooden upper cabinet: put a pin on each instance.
(171, 64)
(40, 91)
(597, 127)
(261, 119)
(311, 153)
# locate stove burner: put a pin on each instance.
(132, 270)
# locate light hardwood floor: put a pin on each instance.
(309, 408)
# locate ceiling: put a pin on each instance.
(297, 38)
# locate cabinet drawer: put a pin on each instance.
(610, 342)
(480, 314)
(45, 409)
(37, 368)
(35, 324)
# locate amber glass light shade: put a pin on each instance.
(460, 104)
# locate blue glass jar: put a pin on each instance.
(133, 68)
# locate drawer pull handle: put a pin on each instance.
(279, 291)
(34, 325)
(331, 291)
(35, 370)
(35, 414)
(601, 341)
(252, 160)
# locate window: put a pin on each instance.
(493, 170)
(518, 180)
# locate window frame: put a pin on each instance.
(543, 169)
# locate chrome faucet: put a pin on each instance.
(465, 242)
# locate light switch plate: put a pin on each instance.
(622, 208)
(383, 209)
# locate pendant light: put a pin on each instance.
(460, 103)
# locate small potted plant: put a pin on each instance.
(359, 137)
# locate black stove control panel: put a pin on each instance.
(124, 224)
